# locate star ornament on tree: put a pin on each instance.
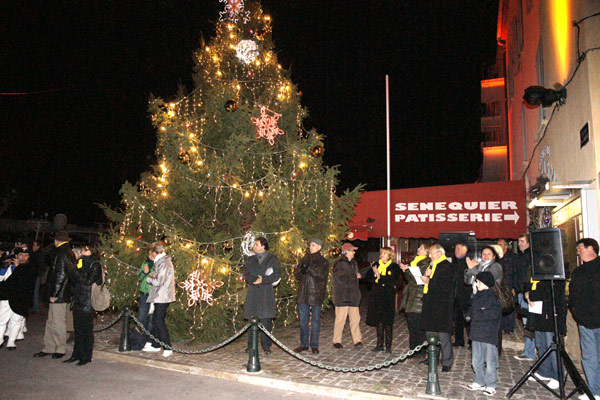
(199, 288)
(266, 125)
(234, 9)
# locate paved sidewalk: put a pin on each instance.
(405, 379)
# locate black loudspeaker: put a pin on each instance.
(548, 254)
(448, 240)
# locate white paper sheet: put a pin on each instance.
(416, 272)
(536, 307)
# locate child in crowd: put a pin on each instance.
(485, 316)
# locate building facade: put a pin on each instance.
(553, 44)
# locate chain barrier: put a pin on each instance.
(341, 369)
(208, 350)
(111, 323)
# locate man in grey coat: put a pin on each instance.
(263, 273)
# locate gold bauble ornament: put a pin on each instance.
(316, 151)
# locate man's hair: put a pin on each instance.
(524, 235)
(157, 247)
(263, 242)
(587, 242)
(463, 244)
(437, 246)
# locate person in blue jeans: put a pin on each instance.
(311, 273)
(485, 315)
(146, 269)
(584, 301)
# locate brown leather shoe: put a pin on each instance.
(315, 350)
(300, 349)
(41, 354)
(338, 345)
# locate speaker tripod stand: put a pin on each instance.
(561, 357)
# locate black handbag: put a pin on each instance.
(505, 296)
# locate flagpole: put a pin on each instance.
(387, 140)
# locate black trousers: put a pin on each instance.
(416, 336)
(459, 323)
(265, 341)
(83, 323)
(159, 328)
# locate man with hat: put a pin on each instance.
(346, 296)
(55, 335)
(311, 272)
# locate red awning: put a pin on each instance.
(491, 210)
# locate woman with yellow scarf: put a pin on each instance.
(381, 310)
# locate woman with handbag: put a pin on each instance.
(86, 272)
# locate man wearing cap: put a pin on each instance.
(346, 296)
(55, 335)
(311, 272)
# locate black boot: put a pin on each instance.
(379, 338)
(388, 338)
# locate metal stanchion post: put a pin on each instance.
(125, 344)
(433, 384)
(253, 361)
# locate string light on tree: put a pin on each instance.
(266, 125)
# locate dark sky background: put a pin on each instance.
(89, 67)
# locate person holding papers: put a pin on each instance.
(412, 299)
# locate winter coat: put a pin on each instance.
(345, 283)
(436, 315)
(18, 288)
(142, 276)
(544, 322)
(311, 273)
(486, 315)
(584, 294)
(82, 279)
(260, 299)
(510, 267)
(163, 285)
(523, 270)
(382, 299)
(58, 278)
(412, 298)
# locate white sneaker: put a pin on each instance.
(149, 347)
(586, 397)
(543, 378)
(522, 357)
(475, 386)
(167, 353)
(489, 391)
(553, 384)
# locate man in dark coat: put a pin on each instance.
(523, 281)
(462, 293)
(438, 298)
(37, 259)
(509, 267)
(18, 290)
(584, 301)
(311, 273)
(263, 273)
(55, 335)
(346, 296)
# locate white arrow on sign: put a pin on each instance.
(513, 217)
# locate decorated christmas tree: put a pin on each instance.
(234, 163)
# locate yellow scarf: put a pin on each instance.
(80, 263)
(534, 284)
(432, 267)
(382, 268)
(414, 262)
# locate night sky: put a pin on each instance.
(87, 69)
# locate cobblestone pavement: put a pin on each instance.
(405, 379)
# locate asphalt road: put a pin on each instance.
(24, 377)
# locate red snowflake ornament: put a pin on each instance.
(266, 125)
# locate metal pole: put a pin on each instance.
(125, 344)
(253, 361)
(387, 141)
(433, 383)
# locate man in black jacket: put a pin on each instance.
(509, 267)
(462, 293)
(523, 279)
(311, 273)
(584, 301)
(55, 335)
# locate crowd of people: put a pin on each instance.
(445, 296)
